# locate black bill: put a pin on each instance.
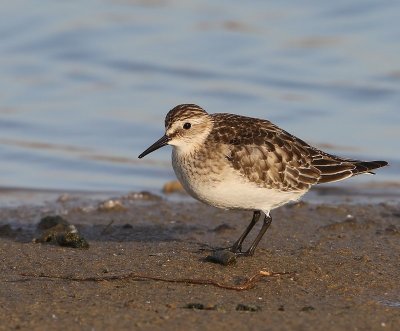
(158, 144)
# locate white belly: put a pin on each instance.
(234, 194)
(227, 189)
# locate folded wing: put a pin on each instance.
(271, 157)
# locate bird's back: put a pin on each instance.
(273, 158)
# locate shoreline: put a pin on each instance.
(363, 192)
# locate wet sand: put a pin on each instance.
(341, 262)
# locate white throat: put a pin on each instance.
(190, 144)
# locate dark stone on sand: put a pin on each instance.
(200, 306)
(223, 257)
(194, 306)
(392, 229)
(58, 231)
(307, 308)
(127, 226)
(243, 307)
(72, 239)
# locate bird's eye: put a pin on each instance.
(187, 126)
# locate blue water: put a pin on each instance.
(85, 85)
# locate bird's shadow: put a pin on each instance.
(109, 233)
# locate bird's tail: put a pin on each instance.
(366, 166)
(337, 169)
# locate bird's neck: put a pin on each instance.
(191, 147)
(184, 150)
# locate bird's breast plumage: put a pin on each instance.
(208, 175)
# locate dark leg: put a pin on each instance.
(265, 226)
(237, 246)
(227, 257)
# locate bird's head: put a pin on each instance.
(186, 127)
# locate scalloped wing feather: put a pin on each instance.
(273, 158)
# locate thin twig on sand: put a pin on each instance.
(246, 285)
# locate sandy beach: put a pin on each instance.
(325, 266)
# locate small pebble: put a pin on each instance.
(223, 257)
(57, 230)
(111, 205)
(173, 187)
(243, 307)
(200, 306)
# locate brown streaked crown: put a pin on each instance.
(183, 112)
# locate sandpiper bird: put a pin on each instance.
(237, 162)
